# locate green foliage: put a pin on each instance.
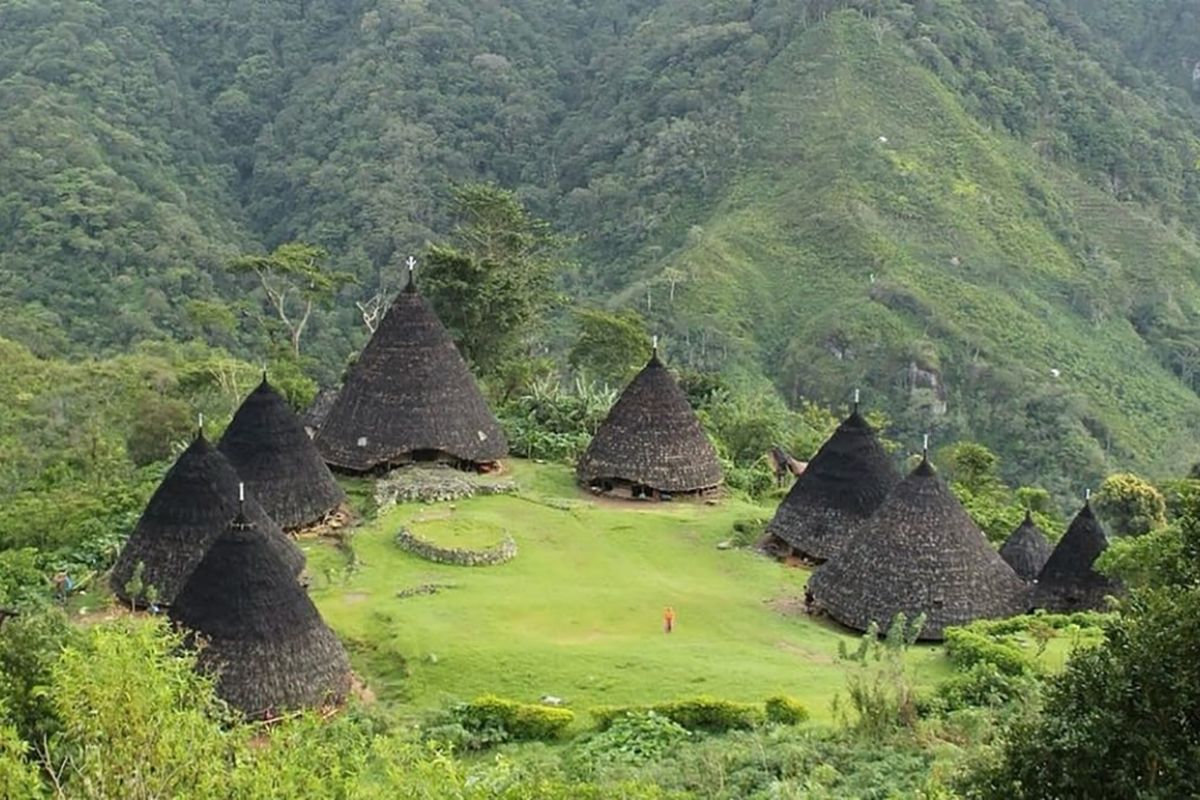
(746, 423)
(974, 467)
(158, 425)
(74, 436)
(630, 739)
(973, 472)
(493, 285)
(133, 718)
(22, 582)
(1120, 721)
(784, 710)
(1163, 558)
(1130, 506)
(552, 422)
(508, 720)
(748, 532)
(128, 703)
(983, 685)
(784, 761)
(294, 280)
(697, 714)
(666, 136)
(967, 648)
(19, 778)
(880, 690)
(610, 347)
(29, 647)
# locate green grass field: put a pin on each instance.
(578, 613)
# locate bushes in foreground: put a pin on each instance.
(489, 720)
(710, 715)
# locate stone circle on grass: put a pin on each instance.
(459, 557)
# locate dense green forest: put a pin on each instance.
(985, 213)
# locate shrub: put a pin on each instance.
(982, 685)
(517, 721)
(748, 532)
(634, 738)
(966, 648)
(706, 714)
(783, 710)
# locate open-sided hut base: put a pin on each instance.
(628, 490)
(430, 458)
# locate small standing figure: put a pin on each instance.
(668, 619)
(62, 586)
(808, 600)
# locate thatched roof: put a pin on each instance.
(1069, 582)
(1026, 549)
(266, 642)
(652, 437)
(318, 409)
(409, 391)
(187, 512)
(919, 553)
(840, 489)
(268, 446)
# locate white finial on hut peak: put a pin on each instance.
(856, 399)
(1087, 495)
(241, 492)
(654, 343)
(200, 421)
(925, 446)
(411, 263)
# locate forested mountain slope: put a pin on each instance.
(983, 212)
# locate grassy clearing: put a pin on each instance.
(578, 613)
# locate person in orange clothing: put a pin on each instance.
(668, 619)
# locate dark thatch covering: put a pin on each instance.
(188, 511)
(267, 445)
(318, 409)
(844, 483)
(652, 437)
(1026, 549)
(266, 641)
(919, 553)
(410, 394)
(1068, 582)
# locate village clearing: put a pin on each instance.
(577, 615)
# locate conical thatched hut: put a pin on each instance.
(919, 553)
(1069, 582)
(1026, 549)
(187, 512)
(651, 444)
(317, 410)
(265, 640)
(268, 446)
(410, 397)
(844, 483)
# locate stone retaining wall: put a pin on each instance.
(435, 485)
(501, 553)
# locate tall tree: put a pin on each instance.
(610, 347)
(494, 282)
(295, 279)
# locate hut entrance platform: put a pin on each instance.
(432, 483)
